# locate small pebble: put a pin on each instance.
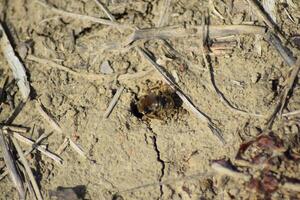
(105, 68)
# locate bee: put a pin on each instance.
(160, 103)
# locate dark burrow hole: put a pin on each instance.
(134, 107)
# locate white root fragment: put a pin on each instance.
(16, 66)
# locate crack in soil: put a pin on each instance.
(163, 166)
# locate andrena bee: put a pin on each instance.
(160, 103)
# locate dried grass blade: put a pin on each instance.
(113, 102)
(11, 166)
(48, 119)
(63, 146)
(77, 148)
(41, 148)
(27, 169)
(15, 64)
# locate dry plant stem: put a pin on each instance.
(40, 148)
(265, 17)
(77, 148)
(35, 145)
(285, 92)
(27, 169)
(12, 169)
(63, 146)
(28, 184)
(22, 138)
(49, 63)
(48, 119)
(229, 172)
(15, 64)
(113, 102)
(14, 128)
(79, 16)
(213, 31)
(202, 116)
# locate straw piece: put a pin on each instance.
(15, 64)
(14, 128)
(27, 169)
(11, 166)
(49, 120)
(63, 146)
(41, 148)
(113, 102)
(178, 31)
(77, 148)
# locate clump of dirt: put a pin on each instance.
(127, 157)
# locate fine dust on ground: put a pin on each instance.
(126, 155)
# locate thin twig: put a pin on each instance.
(48, 119)
(201, 115)
(27, 169)
(11, 166)
(113, 102)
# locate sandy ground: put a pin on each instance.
(126, 155)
